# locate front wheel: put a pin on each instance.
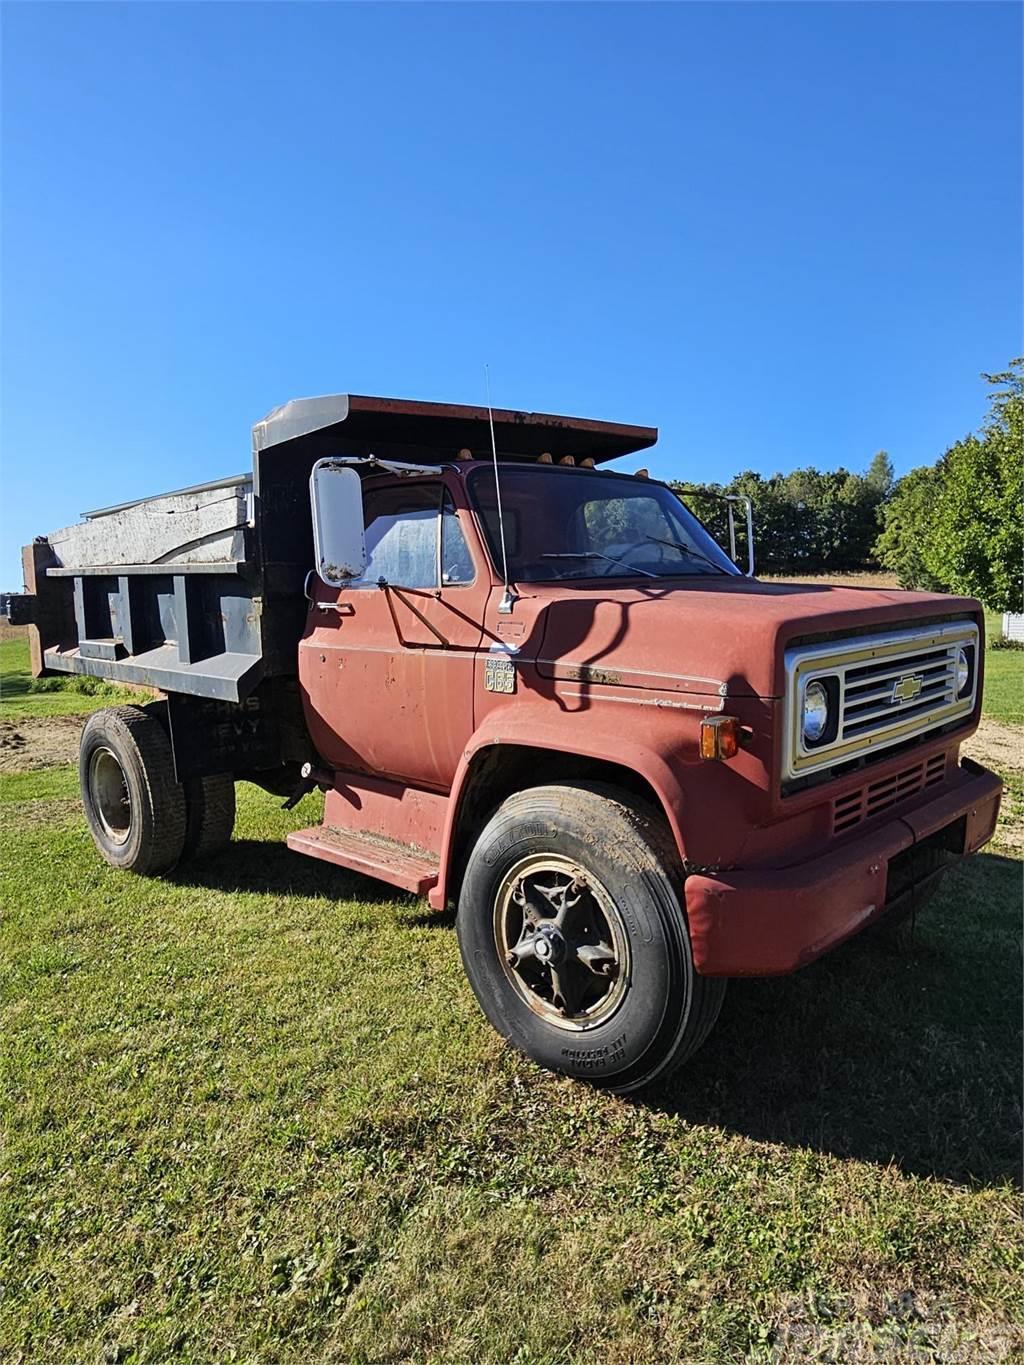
(574, 939)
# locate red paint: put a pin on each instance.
(386, 861)
(766, 923)
(396, 702)
(383, 694)
(387, 810)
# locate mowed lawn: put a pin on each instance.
(1004, 678)
(252, 1113)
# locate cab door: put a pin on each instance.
(386, 663)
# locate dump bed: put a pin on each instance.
(161, 592)
(200, 592)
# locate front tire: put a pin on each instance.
(134, 807)
(574, 939)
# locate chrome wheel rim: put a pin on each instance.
(561, 942)
(111, 798)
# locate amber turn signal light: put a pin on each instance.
(719, 737)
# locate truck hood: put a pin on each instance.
(717, 636)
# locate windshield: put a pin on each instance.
(566, 523)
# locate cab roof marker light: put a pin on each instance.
(642, 474)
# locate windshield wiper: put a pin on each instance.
(596, 554)
(689, 551)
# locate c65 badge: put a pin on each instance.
(499, 675)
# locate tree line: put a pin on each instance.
(955, 526)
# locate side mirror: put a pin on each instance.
(336, 498)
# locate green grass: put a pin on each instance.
(1004, 686)
(43, 784)
(22, 695)
(252, 1113)
(1004, 677)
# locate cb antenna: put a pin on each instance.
(507, 597)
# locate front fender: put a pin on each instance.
(533, 726)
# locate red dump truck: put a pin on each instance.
(531, 688)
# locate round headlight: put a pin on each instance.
(963, 671)
(815, 712)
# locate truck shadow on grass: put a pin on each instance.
(902, 1050)
(254, 865)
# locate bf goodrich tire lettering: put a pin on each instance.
(575, 941)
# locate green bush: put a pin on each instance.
(900, 547)
(958, 526)
(807, 521)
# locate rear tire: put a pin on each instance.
(210, 814)
(574, 938)
(209, 803)
(134, 807)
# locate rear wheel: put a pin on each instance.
(210, 814)
(134, 807)
(209, 802)
(574, 939)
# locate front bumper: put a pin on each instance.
(750, 923)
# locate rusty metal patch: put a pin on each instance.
(588, 673)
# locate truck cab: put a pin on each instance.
(535, 689)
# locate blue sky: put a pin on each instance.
(785, 234)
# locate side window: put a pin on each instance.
(456, 561)
(402, 525)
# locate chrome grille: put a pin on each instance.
(885, 689)
(868, 699)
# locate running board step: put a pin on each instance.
(412, 869)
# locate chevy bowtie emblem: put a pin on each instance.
(907, 688)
